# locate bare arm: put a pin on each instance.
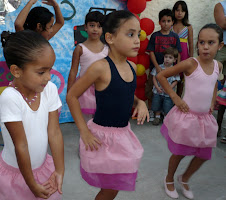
(219, 16)
(154, 61)
(57, 149)
(21, 18)
(74, 66)
(187, 66)
(59, 17)
(190, 41)
(93, 73)
(159, 89)
(174, 83)
(19, 139)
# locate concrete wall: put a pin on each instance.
(200, 12)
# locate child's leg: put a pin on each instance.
(194, 165)
(167, 105)
(174, 161)
(220, 116)
(106, 194)
(156, 106)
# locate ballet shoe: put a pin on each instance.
(187, 193)
(173, 194)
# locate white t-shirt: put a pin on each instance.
(14, 108)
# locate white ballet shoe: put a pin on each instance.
(187, 193)
(173, 194)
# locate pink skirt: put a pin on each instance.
(115, 164)
(88, 101)
(180, 149)
(191, 129)
(13, 186)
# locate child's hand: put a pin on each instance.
(90, 141)
(211, 109)
(159, 90)
(50, 2)
(158, 69)
(55, 182)
(41, 191)
(181, 104)
(142, 111)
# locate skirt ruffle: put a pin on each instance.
(117, 158)
(180, 149)
(13, 186)
(191, 129)
(88, 101)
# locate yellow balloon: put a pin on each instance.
(140, 70)
(143, 35)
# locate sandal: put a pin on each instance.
(223, 139)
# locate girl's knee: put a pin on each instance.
(200, 159)
(179, 157)
(109, 192)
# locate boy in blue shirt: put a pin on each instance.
(160, 41)
(161, 102)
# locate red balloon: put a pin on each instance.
(148, 0)
(136, 6)
(143, 46)
(144, 59)
(147, 25)
(140, 93)
(141, 80)
(133, 59)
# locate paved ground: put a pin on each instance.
(208, 184)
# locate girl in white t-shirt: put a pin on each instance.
(29, 121)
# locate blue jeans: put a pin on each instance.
(161, 103)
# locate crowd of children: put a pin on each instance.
(110, 153)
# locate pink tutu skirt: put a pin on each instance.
(88, 101)
(190, 133)
(13, 186)
(115, 164)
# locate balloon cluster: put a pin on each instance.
(142, 60)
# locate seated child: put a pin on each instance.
(161, 101)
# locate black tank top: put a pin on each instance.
(114, 103)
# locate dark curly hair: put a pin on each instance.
(38, 15)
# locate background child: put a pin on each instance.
(110, 152)
(161, 101)
(195, 110)
(29, 120)
(184, 30)
(160, 41)
(86, 53)
(221, 99)
(40, 19)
